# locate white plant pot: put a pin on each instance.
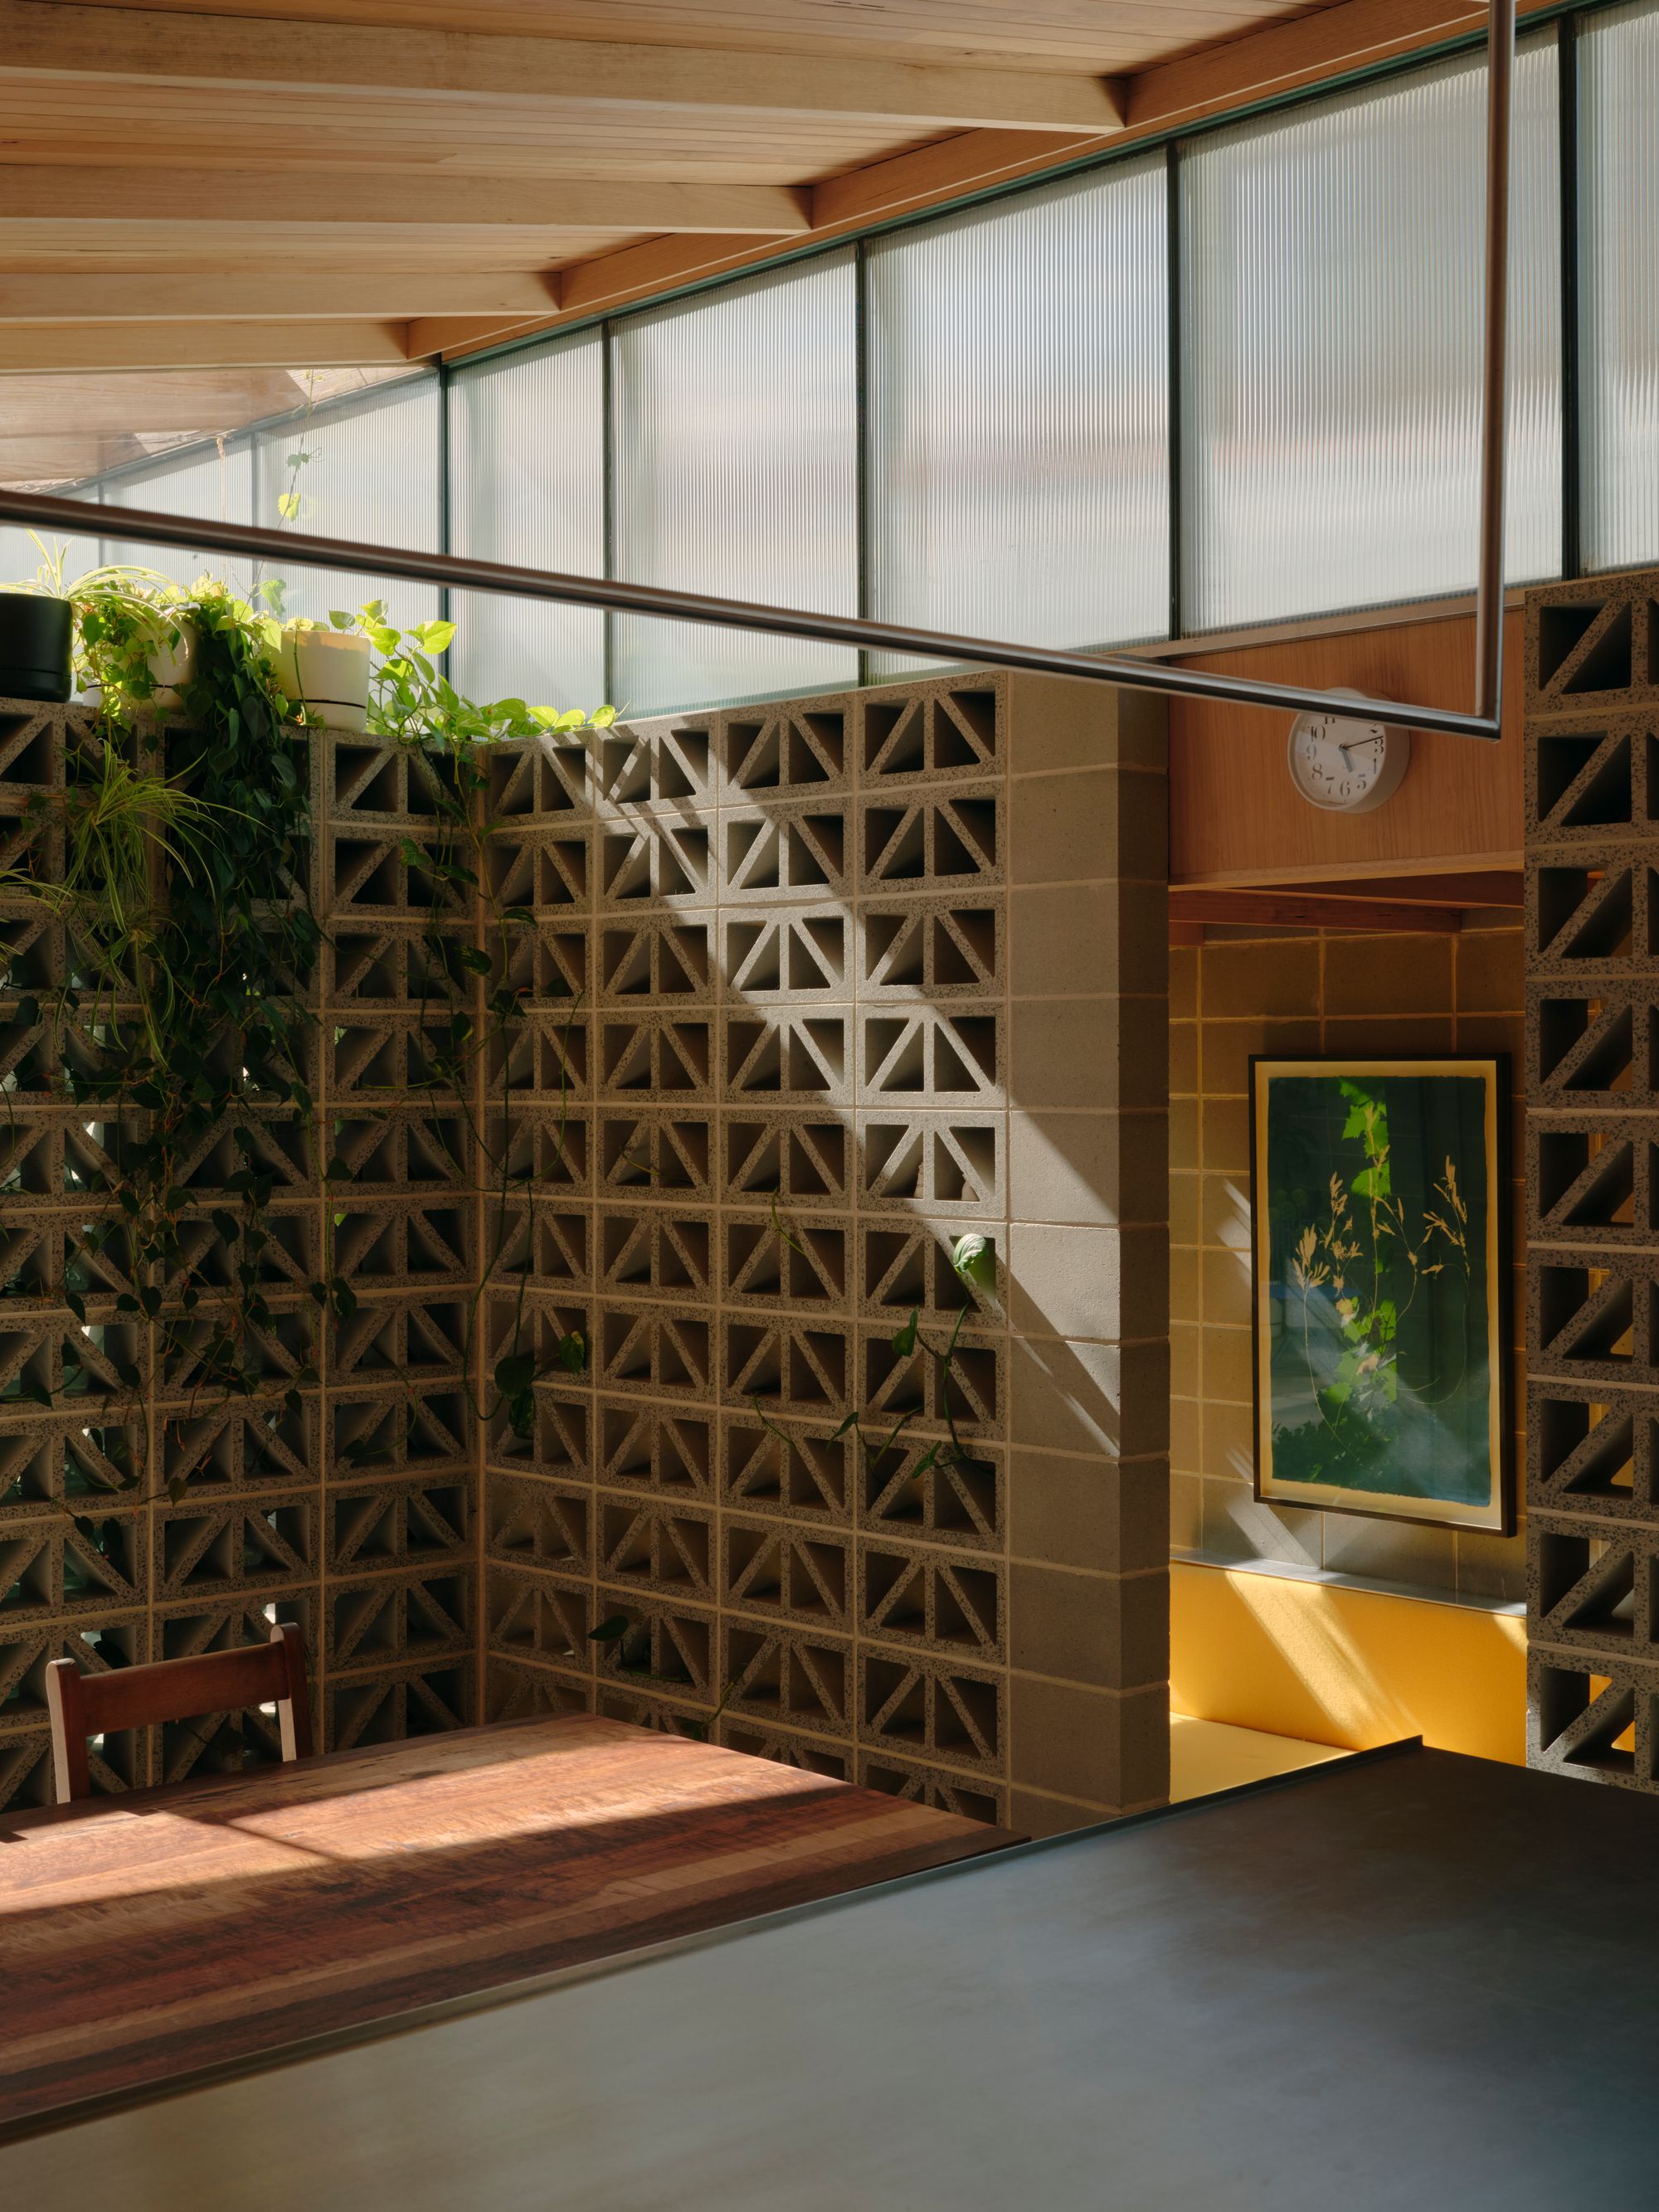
(173, 663)
(327, 671)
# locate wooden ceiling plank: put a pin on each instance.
(171, 404)
(34, 348)
(238, 199)
(367, 297)
(1097, 35)
(135, 46)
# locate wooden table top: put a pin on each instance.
(146, 1938)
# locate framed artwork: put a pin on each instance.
(1380, 1210)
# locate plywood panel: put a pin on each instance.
(1233, 811)
(54, 121)
(338, 249)
(1052, 34)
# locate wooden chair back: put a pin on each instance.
(83, 1705)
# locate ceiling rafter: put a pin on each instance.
(139, 45)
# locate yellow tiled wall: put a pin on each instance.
(1242, 992)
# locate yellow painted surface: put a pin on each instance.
(1331, 1665)
(1206, 1756)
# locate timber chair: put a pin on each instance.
(83, 1705)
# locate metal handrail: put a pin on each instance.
(44, 511)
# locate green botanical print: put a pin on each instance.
(1379, 1372)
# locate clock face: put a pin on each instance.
(1346, 766)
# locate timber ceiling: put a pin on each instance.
(248, 189)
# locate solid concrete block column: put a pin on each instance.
(1088, 1254)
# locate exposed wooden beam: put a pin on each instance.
(1301, 910)
(591, 288)
(139, 45)
(1284, 56)
(1226, 74)
(370, 297)
(31, 348)
(238, 198)
(970, 162)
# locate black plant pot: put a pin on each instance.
(34, 647)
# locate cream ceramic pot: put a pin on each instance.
(327, 671)
(173, 663)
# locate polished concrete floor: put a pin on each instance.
(1403, 1983)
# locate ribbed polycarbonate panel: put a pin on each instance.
(24, 553)
(211, 481)
(1331, 306)
(526, 457)
(1619, 222)
(374, 474)
(736, 471)
(1018, 415)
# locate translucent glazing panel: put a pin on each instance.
(22, 558)
(736, 471)
(210, 481)
(1018, 415)
(526, 457)
(374, 473)
(1331, 305)
(1619, 221)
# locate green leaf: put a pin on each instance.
(571, 1353)
(851, 1422)
(904, 1339)
(974, 1259)
(436, 636)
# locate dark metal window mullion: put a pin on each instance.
(1173, 247)
(608, 496)
(445, 496)
(1572, 483)
(861, 433)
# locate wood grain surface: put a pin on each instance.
(1233, 811)
(181, 1928)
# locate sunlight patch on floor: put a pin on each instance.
(1206, 1756)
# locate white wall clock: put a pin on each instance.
(1344, 765)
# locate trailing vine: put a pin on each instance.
(626, 1640)
(471, 1012)
(183, 1020)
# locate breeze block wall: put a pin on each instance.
(811, 990)
(1592, 830)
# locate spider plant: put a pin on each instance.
(120, 824)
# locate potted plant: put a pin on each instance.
(325, 671)
(135, 630)
(37, 625)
